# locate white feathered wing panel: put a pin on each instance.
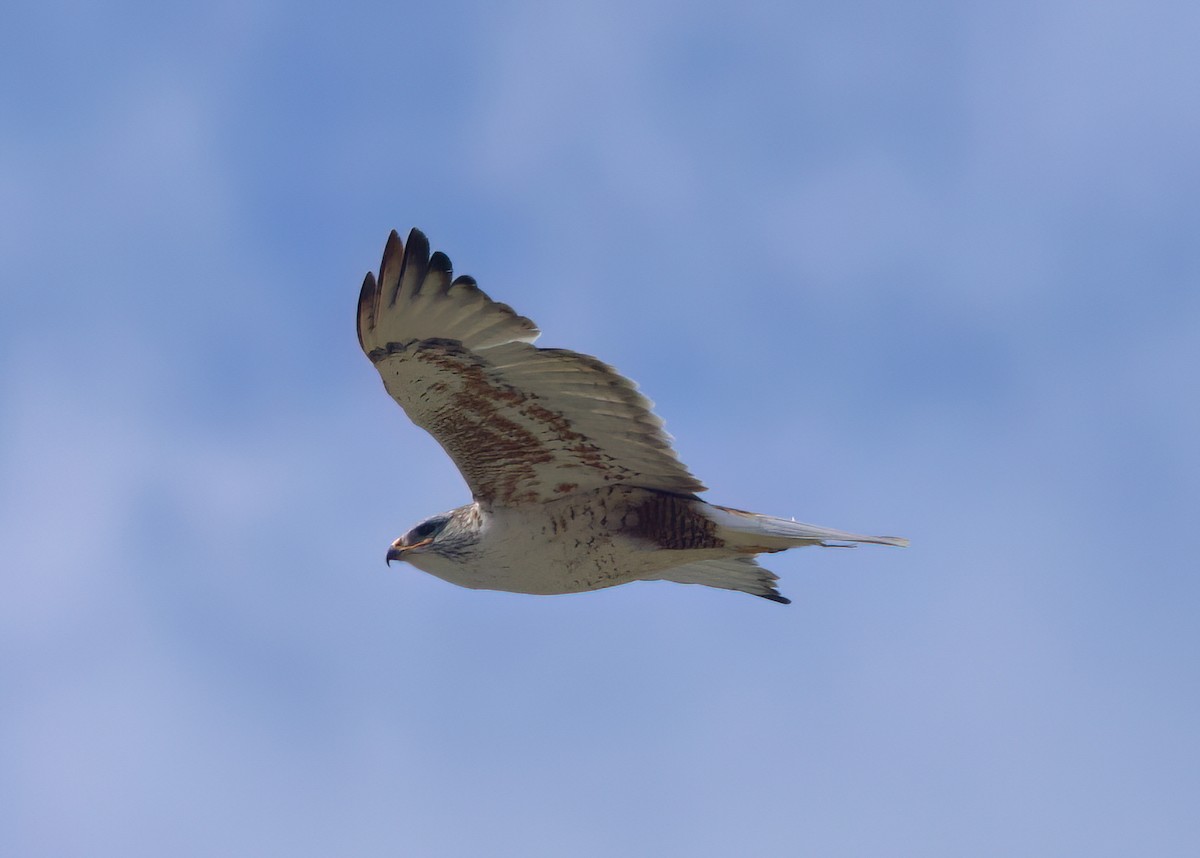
(415, 299)
(523, 424)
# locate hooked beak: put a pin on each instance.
(396, 552)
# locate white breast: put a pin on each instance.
(567, 546)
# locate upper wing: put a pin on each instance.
(523, 424)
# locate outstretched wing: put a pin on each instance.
(523, 424)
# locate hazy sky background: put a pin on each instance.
(929, 269)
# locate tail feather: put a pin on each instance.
(776, 534)
(749, 533)
(728, 573)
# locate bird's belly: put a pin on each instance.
(562, 563)
(568, 546)
(584, 542)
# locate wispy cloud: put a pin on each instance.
(924, 272)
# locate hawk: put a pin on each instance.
(574, 481)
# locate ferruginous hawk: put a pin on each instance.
(574, 481)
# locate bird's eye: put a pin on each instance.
(425, 529)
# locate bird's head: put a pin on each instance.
(444, 534)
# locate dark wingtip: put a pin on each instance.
(775, 597)
(439, 261)
(366, 307)
(393, 250)
(391, 265)
(437, 276)
(418, 244)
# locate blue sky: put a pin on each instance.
(927, 269)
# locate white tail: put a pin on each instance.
(751, 530)
(748, 533)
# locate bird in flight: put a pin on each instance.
(574, 481)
